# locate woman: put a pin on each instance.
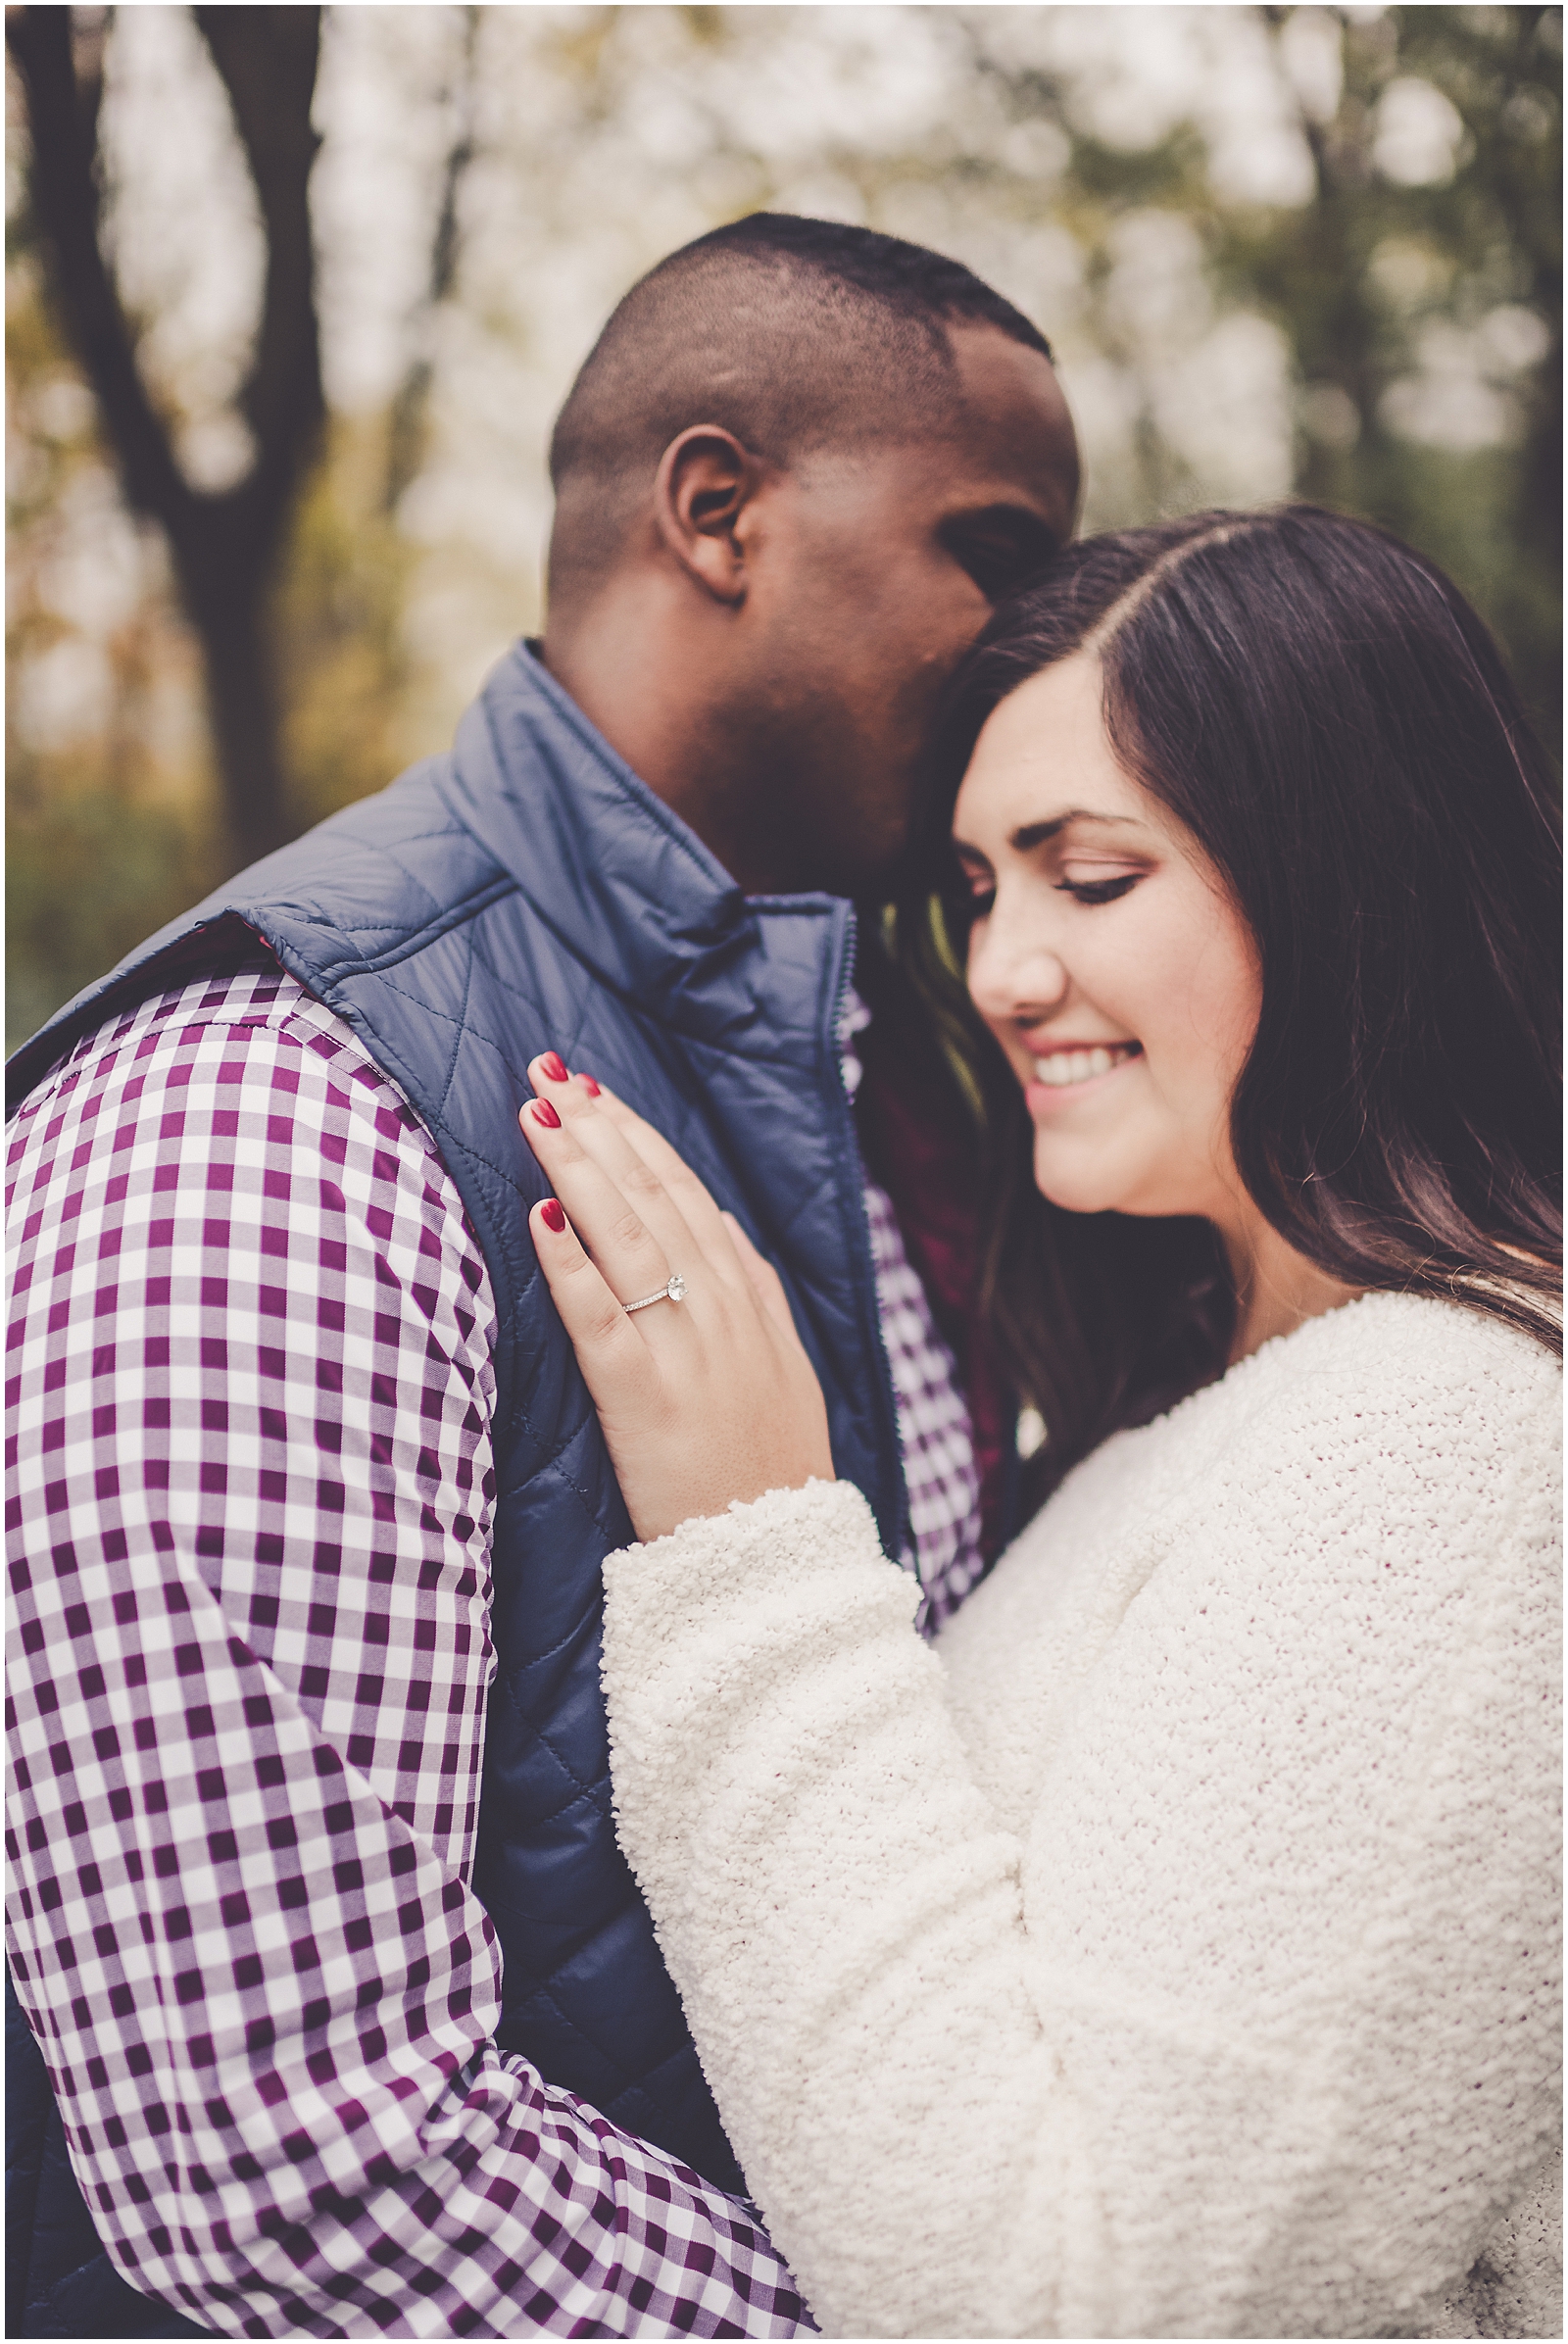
(1173, 1951)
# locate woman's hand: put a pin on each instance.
(701, 1401)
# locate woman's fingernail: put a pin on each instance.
(589, 1085)
(543, 1112)
(552, 1215)
(554, 1066)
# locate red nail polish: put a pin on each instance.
(554, 1066)
(589, 1085)
(552, 1215)
(543, 1112)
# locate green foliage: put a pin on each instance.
(1366, 274)
(88, 874)
(98, 851)
(1375, 282)
(103, 841)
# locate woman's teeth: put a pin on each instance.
(1065, 1066)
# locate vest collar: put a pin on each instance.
(620, 880)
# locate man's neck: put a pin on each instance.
(638, 687)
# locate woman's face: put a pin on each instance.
(1107, 958)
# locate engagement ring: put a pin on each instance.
(675, 1292)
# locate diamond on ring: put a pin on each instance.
(675, 1292)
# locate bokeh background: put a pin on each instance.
(270, 524)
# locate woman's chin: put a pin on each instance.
(1070, 1179)
(1075, 1188)
(1145, 1164)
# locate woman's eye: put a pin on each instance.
(1098, 891)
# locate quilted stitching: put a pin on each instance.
(529, 892)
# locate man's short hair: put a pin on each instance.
(791, 333)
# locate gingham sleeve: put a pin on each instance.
(248, 1503)
(940, 1472)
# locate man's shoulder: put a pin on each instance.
(251, 1013)
(224, 1067)
(243, 1086)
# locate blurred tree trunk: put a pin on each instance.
(225, 544)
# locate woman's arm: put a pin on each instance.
(1250, 2036)
(841, 1912)
(1263, 2041)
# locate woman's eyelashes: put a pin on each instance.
(1098, 891)
(1068, 876)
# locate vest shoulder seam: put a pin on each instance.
(450, 916)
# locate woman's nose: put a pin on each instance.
(1011, 974)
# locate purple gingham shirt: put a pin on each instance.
(941, 1474)
(248, 1508)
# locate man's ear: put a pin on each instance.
(705, 482)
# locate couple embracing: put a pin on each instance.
(574, 1773)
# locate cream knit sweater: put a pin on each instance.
(1174, 1951)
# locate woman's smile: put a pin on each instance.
(1064, 1071)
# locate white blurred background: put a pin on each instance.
(1277, 250)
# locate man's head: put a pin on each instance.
(795, 472)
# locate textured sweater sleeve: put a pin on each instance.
(1149, 2069)
(821, 1869)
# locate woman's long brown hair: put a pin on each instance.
(1331, 721)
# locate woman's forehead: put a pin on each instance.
(1044, 756)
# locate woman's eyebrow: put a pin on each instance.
(1035, 834)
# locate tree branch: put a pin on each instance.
(67, 200)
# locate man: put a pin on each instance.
(351, 2007)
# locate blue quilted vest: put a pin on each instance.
(529, 891)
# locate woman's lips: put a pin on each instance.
(1067, 1071)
